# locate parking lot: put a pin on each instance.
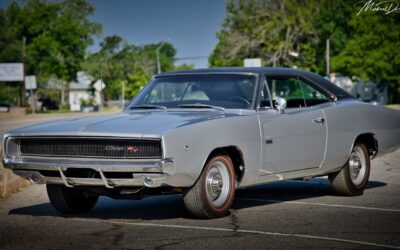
(284, 215)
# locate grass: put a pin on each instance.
(55, 111)
(394, 106)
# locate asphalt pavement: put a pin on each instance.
(282, 215)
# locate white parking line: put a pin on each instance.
(314, 237)
(321, 204)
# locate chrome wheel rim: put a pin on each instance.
(357, 166)
(217, 184)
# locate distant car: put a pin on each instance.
(5, 107)
(204, 133)
(48, 104)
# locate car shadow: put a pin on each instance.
(289, 190)
(171, 206)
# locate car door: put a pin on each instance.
(294, 139)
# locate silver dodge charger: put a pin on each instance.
(205, 133)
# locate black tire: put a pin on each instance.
(346, 181)
(200, 200)
(70, 200)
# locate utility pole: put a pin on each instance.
(33, 101)
(159, 67)
(158, 57)
(62, 94)
(123, 94)
(21, 87)
(328, 71)
(101, 85)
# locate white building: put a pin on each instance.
(77, 92)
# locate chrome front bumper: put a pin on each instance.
(148, 173)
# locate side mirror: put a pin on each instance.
(280, 104)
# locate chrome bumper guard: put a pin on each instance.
(151, 173)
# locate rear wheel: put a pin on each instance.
(70, 200)
(213, 193)
(353, 178)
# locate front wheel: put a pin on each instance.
(213, 193)
(353, 178)
(70, 200)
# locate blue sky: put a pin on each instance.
(190, 25)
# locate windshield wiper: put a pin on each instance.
(201, 106)
(148, 106)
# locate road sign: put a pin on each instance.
(11, 72)
(30, 82)
(252, 62)
(99, 85)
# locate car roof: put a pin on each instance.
(315, 78)
(256, 70)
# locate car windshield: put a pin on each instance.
(228, 91)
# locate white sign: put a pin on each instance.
(99, 85)
(30, 82)
(11, 72)
(252, 62)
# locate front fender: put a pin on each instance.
(191, 145)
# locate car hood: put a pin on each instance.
(133, 124)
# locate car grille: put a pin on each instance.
(90, 147)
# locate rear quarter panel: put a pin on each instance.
(347, 120)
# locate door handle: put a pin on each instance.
(319, 120)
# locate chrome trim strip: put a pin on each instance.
(137, 180)
(145, 172)
(84, 137)
(166, 166)
(205, 73)
(159, 166)
(86, 160)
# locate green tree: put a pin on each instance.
(365, 45)
(57, 35)
(238, 38)
(271, 30)
(372, 52)
(333, 24)
(277, 31)
(135, 82)
(117, 62)
(10, 43)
